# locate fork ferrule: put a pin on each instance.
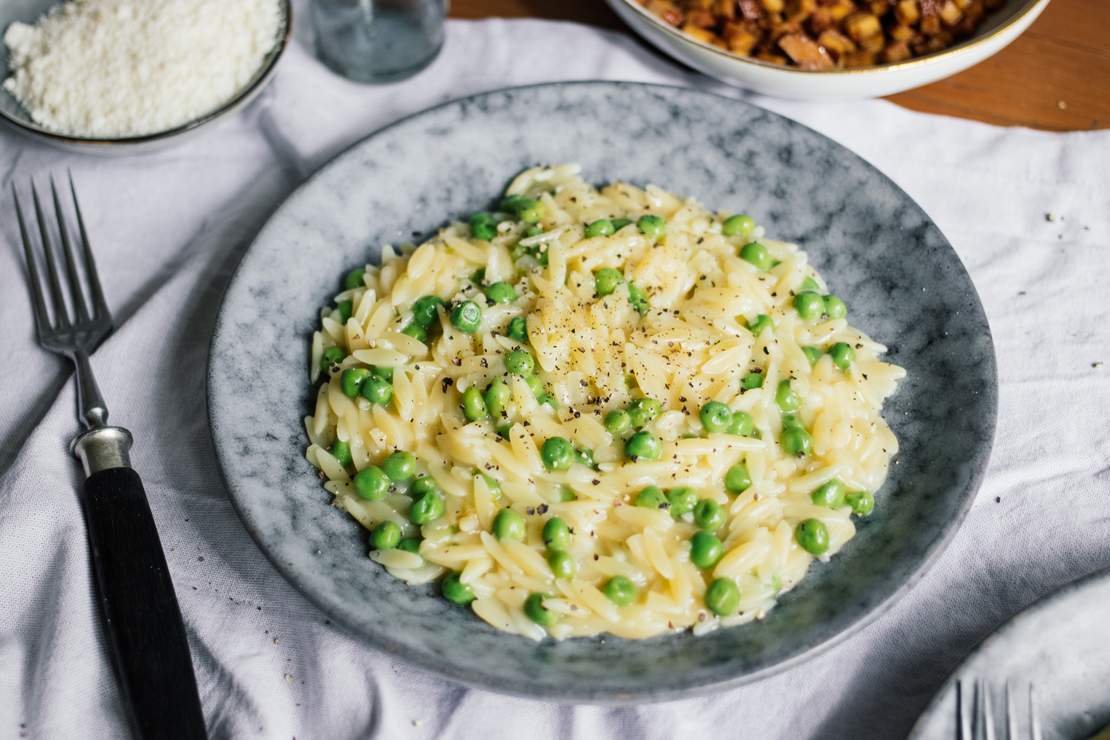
(103, 448)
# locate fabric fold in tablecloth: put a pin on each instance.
(1028, 212)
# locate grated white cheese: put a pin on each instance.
(110, 68)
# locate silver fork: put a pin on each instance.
(142, 620)
(977, 716)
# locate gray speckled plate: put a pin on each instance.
(903, 283)
(1060, 644)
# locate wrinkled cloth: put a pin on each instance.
(1028, 212)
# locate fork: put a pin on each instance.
(976, 717)
(146, 637)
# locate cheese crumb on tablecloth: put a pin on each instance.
(110, 68)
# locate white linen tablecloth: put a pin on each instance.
(169, 227)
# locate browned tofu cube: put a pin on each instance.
(861, 26)
(907, 12)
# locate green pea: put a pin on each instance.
(535, 385)
(642, 446)
(862, 502)
(400, 466)
(473, 405)
(497, 397)
(483, 226)
(715, 416)
(410, 544)
(426, 508)
(601, 227)
(761, 323)
(751, 381)
(708, 514)
(332, 356)
(638, 299)
(786, 397)
(557, 453)
(371, 483)
(341, 451)
(518, 329)
(377, 390)
(813, 354)
(423, 484)
(520, 362)
(546, 399)
(791, 421)
(566, 494)
(455, 591)
(705, 549)
(350, 382)
(617, 422)
(813, 536)
(642, 411)
(513, 203)
(606, 281)
(556, 534)
(535, 610)
(620, 223)
(426, 310)
(651, 498)
(503, 429)
(682, 501)
(526, 209)
(842, 355)
(809, 305)
(585, 457)
(345, 308)
(508, 525)
(385, 373)
(741, 424)
(737, 479)
(354, 279)
(562, 564)
(795, 440)
(722, 597)
(651, 225)
(834, 307)
(417, 332)
(620, 590)
(385, 536)
(466, 317)
(738, 225)
(501, 292)
(533, 230)
(757, 255)
(809, 284)
(830, 494)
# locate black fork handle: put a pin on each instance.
(145, 633)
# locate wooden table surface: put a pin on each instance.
(1055, 76)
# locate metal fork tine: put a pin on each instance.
(76, 292)
(100, 306)
(61, 315)
(1034, 717)
(988, 715)
(964, 710)
(1011, 716)
(38, 302)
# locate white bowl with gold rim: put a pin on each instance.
(999, 28)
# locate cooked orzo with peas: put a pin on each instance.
(599, 410)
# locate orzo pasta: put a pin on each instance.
(599, 410)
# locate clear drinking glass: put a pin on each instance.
(378, 40)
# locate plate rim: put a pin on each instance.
(1001, 632)
(382, 642)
